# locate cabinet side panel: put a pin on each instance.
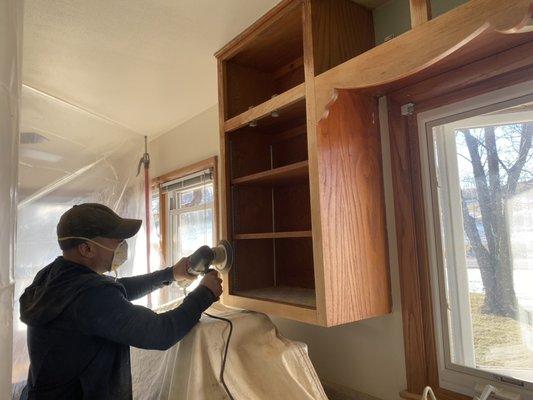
(354, 232)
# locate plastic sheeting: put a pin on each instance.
(261, 364)
(68, 156)
(10, 53)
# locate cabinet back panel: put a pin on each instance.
(292, 207)
(289, 151)
(253, 267)
(252, 209)
(294, 263)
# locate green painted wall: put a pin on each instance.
(393, 18)
(439, 7)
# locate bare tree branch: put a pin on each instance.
(473, 236)
(482, 145)
(516, 169)
(482, 189)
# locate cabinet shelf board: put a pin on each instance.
(277, 103)
(300, 297)
(282, 175)
(273, 235)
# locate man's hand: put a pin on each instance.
(213, 283)
(180, 270)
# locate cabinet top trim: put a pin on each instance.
(245, 37)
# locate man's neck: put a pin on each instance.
(79, 260)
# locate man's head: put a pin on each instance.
(89, 233)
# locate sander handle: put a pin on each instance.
(201, 260)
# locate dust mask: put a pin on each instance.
(120, 254)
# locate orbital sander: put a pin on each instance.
(220, 257)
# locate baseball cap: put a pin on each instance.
(90, 220)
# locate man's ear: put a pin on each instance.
(86, 250)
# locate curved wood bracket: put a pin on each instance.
(457, 38)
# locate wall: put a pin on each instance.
(439, 7)
(366, 356)
(394, 18)
(192, 141)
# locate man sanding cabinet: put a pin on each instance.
(81, 323)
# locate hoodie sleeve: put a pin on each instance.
(105, 312)
(139, 286)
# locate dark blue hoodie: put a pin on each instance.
(81, 325)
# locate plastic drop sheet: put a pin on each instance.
(261, 364)
(66, 157)
(10, 54)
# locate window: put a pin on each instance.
(479, 201)
(189, 214)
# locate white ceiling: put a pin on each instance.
(147, 65)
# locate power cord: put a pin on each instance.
(223, 366)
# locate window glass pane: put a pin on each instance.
(484, 168)
(195, 230)
(196, 197)
(155, 214)
(171, 202)
(189, 227)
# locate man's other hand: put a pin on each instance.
(180, 270)
(213, 283)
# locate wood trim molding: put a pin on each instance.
(410, 264)
(210, 162)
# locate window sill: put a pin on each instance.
(442, 394)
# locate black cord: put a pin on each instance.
(223, 367)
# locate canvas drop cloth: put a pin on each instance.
(261, 364)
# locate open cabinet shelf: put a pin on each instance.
(271, 62)
(279, 270)
(294, 234)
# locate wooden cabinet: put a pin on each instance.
(302, 196)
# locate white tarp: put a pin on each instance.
(261, 364)
(10, 54)
(68, 156)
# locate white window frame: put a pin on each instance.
(177, 212)
(453, 376)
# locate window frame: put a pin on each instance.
(421, 91)
(209, 163)
(177, 212)
(452, 376)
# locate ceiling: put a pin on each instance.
(147, 65)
